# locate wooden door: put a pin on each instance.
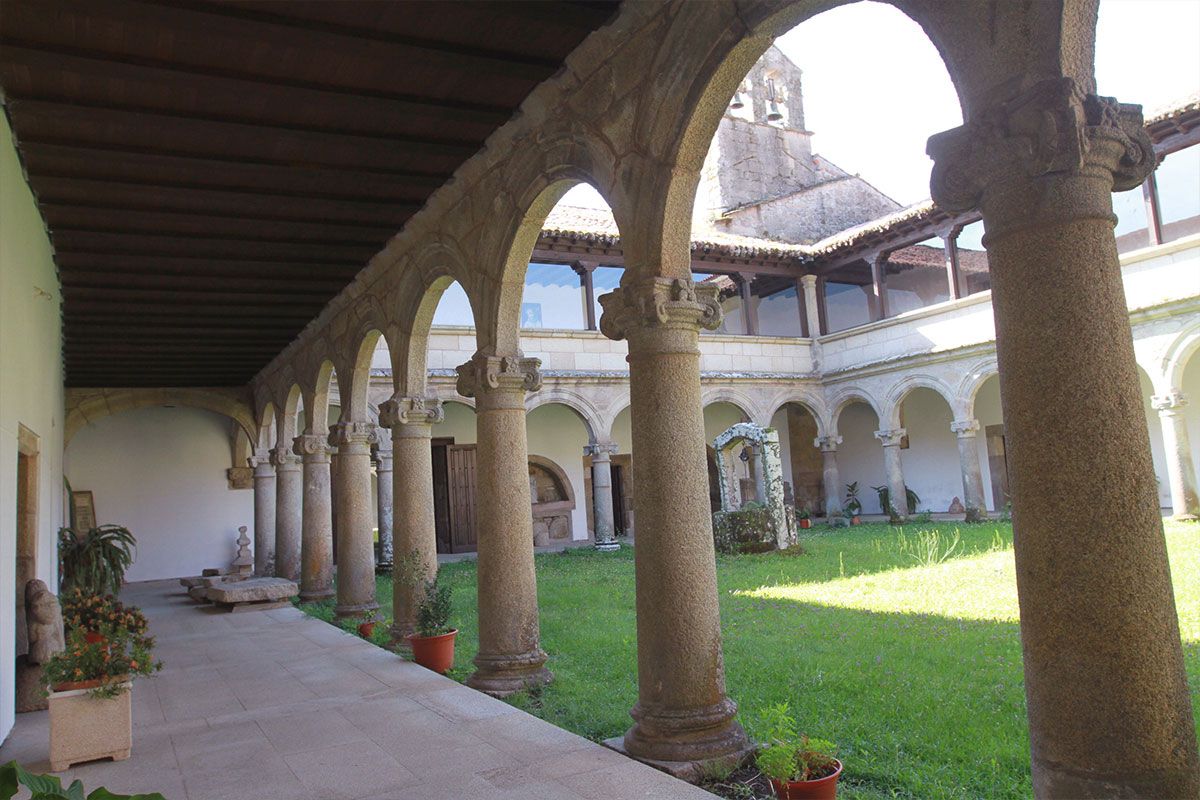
(997, 465)
(441, 494)
(460, 460)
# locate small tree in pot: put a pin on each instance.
(799, 768)
(433, 643)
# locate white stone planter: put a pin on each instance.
(85, 728)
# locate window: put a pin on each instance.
(846, 305)
(1131, 231)
(778, 312)
(916, 276)
(553, 298)
(1178, 197)
(734, 320)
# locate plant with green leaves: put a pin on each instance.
(789, 757)
(95, 561)
(111, 654)
(49, 787)
(885, 499)
(852, 506)
(433, 612)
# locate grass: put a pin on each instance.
(901, 645)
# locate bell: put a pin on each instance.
(773, 112)
(737, 101)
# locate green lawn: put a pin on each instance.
(909, 659)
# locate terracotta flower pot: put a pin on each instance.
(434, 652)
(856, 520)
(820, 789)
(91, 637)
(806, 523)
(365, 629)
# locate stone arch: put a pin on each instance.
(730, 395)
(90, 405)
(971, 383)
(266, 425)
(588, 414)
(1176, 360)
(551, 517)
(354, 381)
(545, 175)
(316, 398)
(901, 390)
(844, 398)
(290, 407)
(809, 401)
(437, 268)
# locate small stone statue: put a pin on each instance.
(244, 563)
(44, 619)
(956, 507)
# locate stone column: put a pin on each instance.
(510, 655)
(316, 540)
(289, 512)
(972, 475)
(833, 481)
(683, 713)
(1107, 695)
(812, 314)
(411, 420)
(352, 496)
(382, 456)
(602, 496)
(1177, 450)
(264, 512)
(894, 469)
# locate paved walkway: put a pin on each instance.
(274, 704)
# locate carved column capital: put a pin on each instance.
(891, 438)
(313, 448)
(660, 303)
(965, 428)
(1169, 404)
(352, 438)
(399, 410)
(382, 457)
(1051, 127)
(600, 451)
(240, 477)
(828, 444)
(488, 378)
(809, 280)
(260, 462)
(283, 459)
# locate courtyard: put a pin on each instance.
(897, 644)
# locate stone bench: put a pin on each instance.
(252, 594)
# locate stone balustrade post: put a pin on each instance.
(411, 421)
(381, 455)
(967, 431)
(352, 496)
(1099, 630)
(510, 655)
(894, 470)
(683, 713)
(316, 539)
(829, 473)
(1177, 450)
(812, 314)
(603, 518)
(264, 512)
(289, 511)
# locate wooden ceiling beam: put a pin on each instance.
(149, 213)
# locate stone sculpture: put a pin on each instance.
(43, 617)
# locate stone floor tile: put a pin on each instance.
(525, 736)
(310, 730)
(347, 771)
(634, 781)
(461, 704)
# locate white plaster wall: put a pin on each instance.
(31, 394)
(1160, 274)
(718, 418)
(458, 424)
(1191, 389)
(161, 473)
(987, 412)
(931, 467)
(557, 433)
(860, 456)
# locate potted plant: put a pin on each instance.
(94, 561)
(433, 643)
(49, 787)
(93, 613)
(804, 515)
(852, 506)
(90, 689)
(798, 767)
(366, 628)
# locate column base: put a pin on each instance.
(1184, 517)
(316, 595)
(608, 547)
(356, 610)
(400, 634)
(502, 675)
(976, 515)
(690, 771)
(688, 736)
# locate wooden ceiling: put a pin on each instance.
(212, 173)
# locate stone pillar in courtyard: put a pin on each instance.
(1177, 451)
(812, 315)
(264, 512)
(316, 539)
(510, 655)
(603, 521)
(356, 519)
(411, 421)
(894, 471)
(381, 455)
(683, 714)
(829, 473)
(967, 431)
(289, 511)
(1107, 696)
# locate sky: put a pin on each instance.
(873, 104)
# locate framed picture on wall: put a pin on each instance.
(83, 510)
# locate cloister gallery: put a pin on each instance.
(262, 284)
